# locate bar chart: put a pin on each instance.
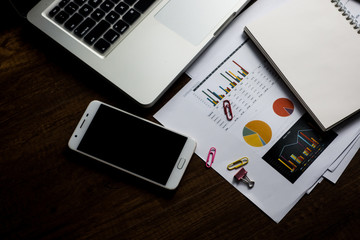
(227, 81)
(298, 148)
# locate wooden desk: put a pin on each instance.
(48, 192)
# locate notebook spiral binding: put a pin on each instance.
(346, 13)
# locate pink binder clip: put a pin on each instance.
(210, 157)
(241, 176)
(227, 110)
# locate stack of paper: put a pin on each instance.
(288, 155)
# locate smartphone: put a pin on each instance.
(132, 144)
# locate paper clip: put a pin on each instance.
(241, 176)
(238, 163)
(211, 155)
(227, 110)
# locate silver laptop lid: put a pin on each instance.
(147, 59)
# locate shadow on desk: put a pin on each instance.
(117, 178)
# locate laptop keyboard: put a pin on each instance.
(99, 23)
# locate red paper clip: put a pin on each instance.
(241, 176)
(227, 110)
(210, 157)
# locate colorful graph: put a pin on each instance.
(212, 96)
(283, 107)
(233, 77)
(298, 148)
(257, 133)
(293, 155)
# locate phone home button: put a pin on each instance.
(181, 163)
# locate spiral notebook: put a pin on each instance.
(315, 47)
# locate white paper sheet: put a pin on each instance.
(346, 157)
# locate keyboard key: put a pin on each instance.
(96, 32)
(121, 8)
(121, 27)
(112, 17)
(71, 8)
(62, 3)
(61, 17)
(99, 23)
(101, 45)
(131, 16)
(84, 27)
(94, 3)
(98, 14)
(130, 2)
(85, 10)
(111, 36)
(75, 20)
(54, 11)
(107, 6)
(143, 5)
(80, 2)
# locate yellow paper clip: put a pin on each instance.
(238, 163)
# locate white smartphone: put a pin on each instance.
(132, 144)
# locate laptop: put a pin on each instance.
(140, 46)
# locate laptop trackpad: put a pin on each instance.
(194, 19)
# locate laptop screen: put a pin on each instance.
(23, 6)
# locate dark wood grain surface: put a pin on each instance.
(48, 192)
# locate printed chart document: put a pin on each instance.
(287, 152)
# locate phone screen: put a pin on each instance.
(132, 144)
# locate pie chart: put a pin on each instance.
(283, 107)
(257, 133)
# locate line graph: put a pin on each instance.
(298, 148)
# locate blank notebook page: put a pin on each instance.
(317, 52)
